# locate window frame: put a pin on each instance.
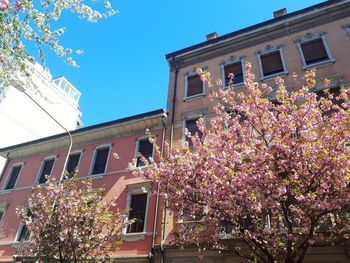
(196, 96)
(80, 152)
(21, 164)
(48, 158)
(265, 51)
(310, 37)
(228, 62)
(92, 164)
(137, 147)
(347, 29)
(3, 207)
(137, 189)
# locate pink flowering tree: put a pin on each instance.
(25, 24)
(270, 175)
(70, 223)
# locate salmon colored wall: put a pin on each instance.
(114, 182)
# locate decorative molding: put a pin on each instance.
(139, 188)
(232, 59)
(310, 36)
(268, 49)
(193, 71)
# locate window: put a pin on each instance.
(271, 61)
(3, 208)
(347, 28)
(194, 86)
(137, 212)
(72, 164)
(144, 148)
(46, 169)
(314, 50)
(23, 233)
(13, 176)
(191, 126)
(236, 69)
(100, 160)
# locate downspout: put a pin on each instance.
(171, 146)
(158, 186)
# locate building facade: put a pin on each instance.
(92, 155)
(289, 44)
(22, 120)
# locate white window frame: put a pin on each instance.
(313, 36)
(191, 74)
(230, 61)
(73, 153)
(52, 157)
(9, 173)
(3, 208)
(92, 164)
(136, 189)
(347, 29)
(137, 146)
(270, 49)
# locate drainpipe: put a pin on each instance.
(158, 186)
(171, 146)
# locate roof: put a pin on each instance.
(253, 27)
(89, 129)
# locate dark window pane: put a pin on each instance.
(137, 212)
(191, 126)
(24, 234)
(194, 85)
(73, 162)
(314, 51)
(46, 170)
(271, 63)
(2, 212)
(335, 92)
(236, 70)
(13, 177)
(100, 161)
(146, 150)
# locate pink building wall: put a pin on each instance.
(115, 180)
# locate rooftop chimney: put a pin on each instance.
(212, 36)
(280, 13)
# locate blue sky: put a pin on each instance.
(123, 70)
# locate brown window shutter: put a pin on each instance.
(271, 63)
(236, 70)
(314, 51)
(194, 85)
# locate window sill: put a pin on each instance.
(235, 86)
(188, 222)
(131, 237)
(8, 191)
(95, 176)
(194, 97)
(319, 64)
(271, 77)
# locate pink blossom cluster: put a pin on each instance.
(273, 173)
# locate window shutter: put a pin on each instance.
(236, 70)
(314, 51)
(194, 85)
(271, 63)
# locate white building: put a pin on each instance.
(22, 120)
